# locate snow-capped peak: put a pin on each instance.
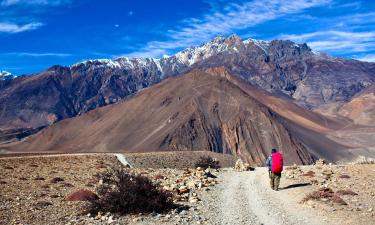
(5, 75)
(219, 44)
(183, 59)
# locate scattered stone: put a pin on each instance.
(42, 205)
(321, 162)
(241, 166)
(82, 195)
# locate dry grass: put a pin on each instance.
(325, 193)
(309, 174)
(346, 192)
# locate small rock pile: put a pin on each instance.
(293, 172)
(320, 163)
(241, 166)
(185, 187)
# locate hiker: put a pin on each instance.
(276, 169)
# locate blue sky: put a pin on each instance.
(36, 34)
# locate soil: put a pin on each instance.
(34, 190)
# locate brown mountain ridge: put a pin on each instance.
(201, 110)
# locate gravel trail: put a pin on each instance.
(246, 198)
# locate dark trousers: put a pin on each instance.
(275, 180)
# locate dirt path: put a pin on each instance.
(245, 198)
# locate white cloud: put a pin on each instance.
(226, 20)
(6, 27)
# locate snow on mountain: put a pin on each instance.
(5, 75)
(182, 59)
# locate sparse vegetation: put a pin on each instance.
(344, 176)
(207, 162)
(325, 193)
(56, 180)
(346, 192)
(124, 193)
(309, 174)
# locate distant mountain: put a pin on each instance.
(280, 67)
(197, 111)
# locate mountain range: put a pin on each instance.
(322, 95)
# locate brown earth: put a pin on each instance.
(198, 111)
(34, 190)
(37, 189)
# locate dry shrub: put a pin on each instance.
(344, 176)
(326, 193)
(346, 192)
(207, 162)
(315, 195)
(55, 196)
(309, 174)
(3, 182)
(46, 186)
(56, 180)
(124, 193)
(159, 177)
(39, 178)
(82, 195)
(65, 184)
(337, 199)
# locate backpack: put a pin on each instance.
(269, 162)
(277, 162)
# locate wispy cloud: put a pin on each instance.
(33, 2)
(335, 40)
(20, 15)
(367, 58)
(6, 27)
(37, 54)
(352, 34)
(223, 21)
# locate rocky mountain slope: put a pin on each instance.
(361, 108)
(197, 111)
(30, 103)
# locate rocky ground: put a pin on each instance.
(343, 193)
(36, 190)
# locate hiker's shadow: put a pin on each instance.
(295, 186)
